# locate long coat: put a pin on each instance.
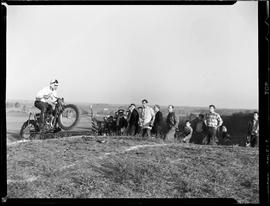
(134, 118)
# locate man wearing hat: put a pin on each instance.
(45, 98)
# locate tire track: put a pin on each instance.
(131, 148)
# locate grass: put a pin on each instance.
(84, 168)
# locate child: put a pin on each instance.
(187, 133)
(225, 136)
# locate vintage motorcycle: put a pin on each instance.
(65, 117)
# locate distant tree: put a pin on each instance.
(17, 105)
(237, 125)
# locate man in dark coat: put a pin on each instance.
(199, 129)
(158, 123)
(171, 124)
(253, 131)
(139, 109)
(133, 121)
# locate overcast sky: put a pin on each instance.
(181, 55)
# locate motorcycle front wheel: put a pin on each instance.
(69, 117)
(28, 130)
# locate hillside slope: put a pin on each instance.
(125, 167)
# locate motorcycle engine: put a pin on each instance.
(37, 117)
(48, 121)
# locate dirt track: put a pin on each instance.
(15, 121)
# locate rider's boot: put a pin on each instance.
(42, 123)
(57, 129)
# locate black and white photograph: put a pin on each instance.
(133, 101)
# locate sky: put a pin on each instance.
(119, 54)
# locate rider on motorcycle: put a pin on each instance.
(45, 99)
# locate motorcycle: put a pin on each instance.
(64, 117)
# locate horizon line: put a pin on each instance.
(124, 104)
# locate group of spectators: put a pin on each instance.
(148, 122)
(207, 128)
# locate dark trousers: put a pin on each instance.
(139, 131)
(253, 140)
(118, 130)
(132, 130)
(44, 108)
(146, 131)
(211, 136)
(197, 137)
(157, 131)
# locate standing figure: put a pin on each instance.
(171, 123)
(158, 123)
(212, 121)
(133, 121)
(148, 118)
(140, 121)
(253, 131)
(198, 130)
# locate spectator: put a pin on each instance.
(114, 121)
(171, 123)
(212, 121)
(148, 118)
(121, 122)
(133, 121)
(198, 130)
(253, 131)
(225, 138)
(110, 125)
(140, 109)
(158, 123)
(128, 113)
(187, 133)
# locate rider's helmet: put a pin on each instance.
(54, 82)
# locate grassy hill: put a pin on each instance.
(125, 167)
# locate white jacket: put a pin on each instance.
(47, 95)
(148, 116)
